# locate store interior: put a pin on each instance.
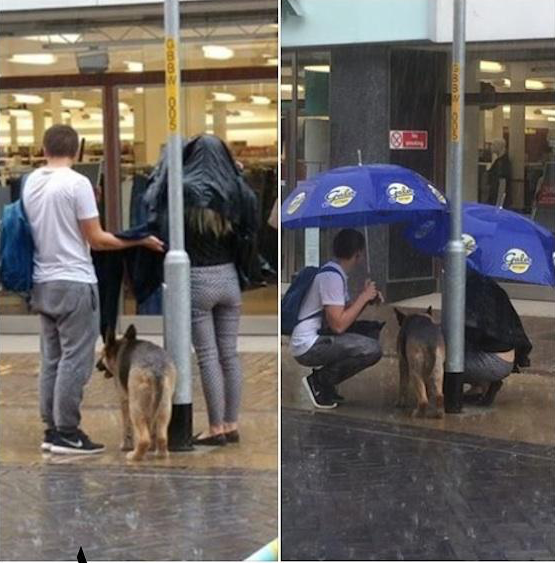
(241, 110)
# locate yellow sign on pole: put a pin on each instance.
(172, 92)
(456, 103)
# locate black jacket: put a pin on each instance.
(211, 180)
(492, 324)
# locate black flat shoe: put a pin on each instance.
(232, 437)
(217, 440)
(472, 398)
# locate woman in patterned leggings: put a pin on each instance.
(216, 309)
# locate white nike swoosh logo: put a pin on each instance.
(78, 444)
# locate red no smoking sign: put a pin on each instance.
(408, 140)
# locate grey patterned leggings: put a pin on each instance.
(216, 310)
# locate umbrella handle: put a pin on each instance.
(367, 246)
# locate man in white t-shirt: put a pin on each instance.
(62, 211)
(340, 353)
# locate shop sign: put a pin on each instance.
(408, 140)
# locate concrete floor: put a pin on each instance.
(213, 503)
(524, 409)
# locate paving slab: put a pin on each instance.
(368, 490)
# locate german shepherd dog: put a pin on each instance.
(145, 378)
(421, 351)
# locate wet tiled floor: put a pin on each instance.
(125, 514)
(210, 504)
(368, 490)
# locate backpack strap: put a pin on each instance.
(23, 182)
(321, 271)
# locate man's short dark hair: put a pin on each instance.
(61, 140)
(347, 243)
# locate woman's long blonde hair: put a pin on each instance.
(204, 220)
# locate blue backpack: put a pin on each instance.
(16, 248)
(294, 297)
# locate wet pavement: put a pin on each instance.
(210, 504)
(357, 489)
(129, 514)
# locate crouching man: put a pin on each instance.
(324, 335)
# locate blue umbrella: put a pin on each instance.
(499, 243)
(354, 196)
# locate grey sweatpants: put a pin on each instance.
(216, 310)
(69, 315)
(342, 356)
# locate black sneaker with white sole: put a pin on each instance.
(76, 443)
(48, 440)
(320, 399)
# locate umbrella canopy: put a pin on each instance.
(499, 243)
(354, 196)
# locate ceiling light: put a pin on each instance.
(134, 66)
(28, 99)
(33, 59)
(534, 85)
(288, 88)
(217, 52)
(506, 82)
(260, 100)
(223, 97)
(72, 104)
(548, 111)
(318, 68)
(506, 109)
(139, 90)
(491, 66)
(19, 112)
(59, 38)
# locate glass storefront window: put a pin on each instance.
(244, 115)
(526, 134)
(209, 41)
(24, 116)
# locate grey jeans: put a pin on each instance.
(216, 311)
(484, 367)
(342, 356)
(69, 315)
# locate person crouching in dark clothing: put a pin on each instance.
(495, 341)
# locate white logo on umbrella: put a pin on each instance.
(296, 202)
(424, 230)
(517, 261)
(400, 193)
(469, 244)
(340, 196)
(438, 194)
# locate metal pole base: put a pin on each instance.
(453, 392)
(180, 431)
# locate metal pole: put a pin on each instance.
(453, 295)
(177, 294)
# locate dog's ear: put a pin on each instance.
(400, 316)
(429, 311)
(131, 333)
